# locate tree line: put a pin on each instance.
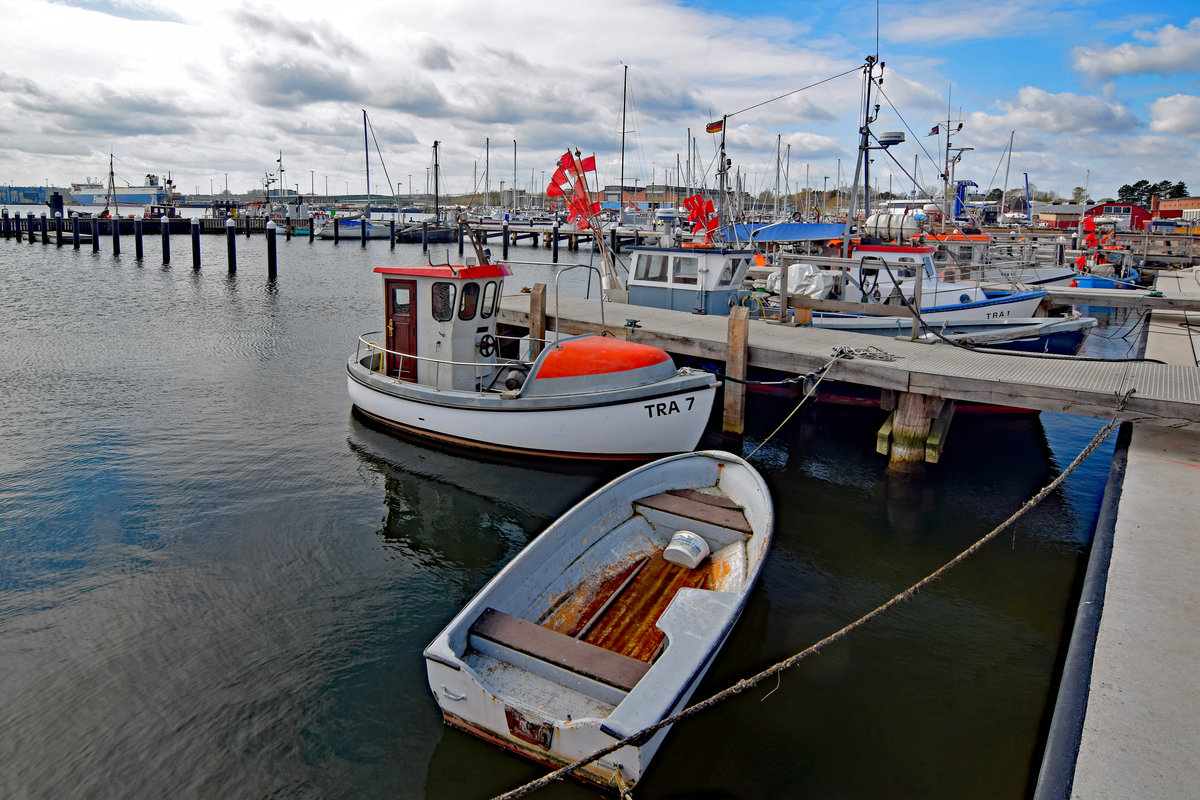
(1139, 193)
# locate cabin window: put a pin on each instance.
(651, 267)
(729, 270)
(401, 301)
(491, 298)
(442, 301)
(470, 301)
(685, 269)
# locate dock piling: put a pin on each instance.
(116, 235)
(537, 318)
(554, 243)
(461, 236)
(911, 423)
(312, 229)
(734, 419)
(166, 239)
(58, 229)
(362, 228)
(392, 233)
(5, 223)
(424, 237)
(270, 230)
(30, 229)
(231, 244)
(75, 231)
(137, 238)
(95, 234)
(45, 230)
(336, 230)
(195, 244)
(504, 240)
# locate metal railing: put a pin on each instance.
(370, 350)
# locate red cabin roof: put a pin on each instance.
(477, 272)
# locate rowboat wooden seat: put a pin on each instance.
(559, 649)
(701, 507)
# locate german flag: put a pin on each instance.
(714, 127)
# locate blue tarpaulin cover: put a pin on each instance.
(784, 232)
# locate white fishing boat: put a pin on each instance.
(439, 370)
(606, 622)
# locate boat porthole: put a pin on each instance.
(964, 298)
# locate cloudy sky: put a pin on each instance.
(1100, 92)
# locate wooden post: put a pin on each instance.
(95, 234)
(504, 240)
(735, 367)
(58, 229)
(195, 243)
(30, 228)
(911, 422)
(916, 322)
(461, 237)
(362, 227)
(425, 237)
(312, 229)
(116, 234)
(137, 238)
(336, 235)
(554, 242)
(75, 231)
(45, 230)
(165, 224)
(231, 244)
(613, 239)
(270, 231)
(6, 223)
(247, 220)
(392, 234)
(537, 317)
(785, 295)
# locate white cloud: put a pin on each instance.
(1169, 49)
(1179, 113)
(1038, 110)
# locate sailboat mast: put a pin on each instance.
(367, 156)
(624, 91)
(437, 216)
(1007, 164)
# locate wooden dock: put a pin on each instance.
(1166, 395)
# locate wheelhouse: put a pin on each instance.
(702, 279)
(445, 318)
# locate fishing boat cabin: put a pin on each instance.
(702, 279)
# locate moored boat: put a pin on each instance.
(438, 370)
(606, 622)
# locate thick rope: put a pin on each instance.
(907, 594)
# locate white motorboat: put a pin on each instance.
(438, 370)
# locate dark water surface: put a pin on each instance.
(214, 582)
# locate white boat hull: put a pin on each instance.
(638, 428)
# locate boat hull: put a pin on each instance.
(668, 419)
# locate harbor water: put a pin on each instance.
(216, 582)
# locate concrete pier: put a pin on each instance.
(1127, 720)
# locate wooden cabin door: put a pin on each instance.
(400, 297)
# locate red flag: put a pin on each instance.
(579, 206)
(554, 190)
(1089, 223)
(567, 162)
(1090, 239)
(1079, 262)
(560, 177)
(714, 127)
(588, 164)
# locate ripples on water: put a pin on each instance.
(215, 582)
